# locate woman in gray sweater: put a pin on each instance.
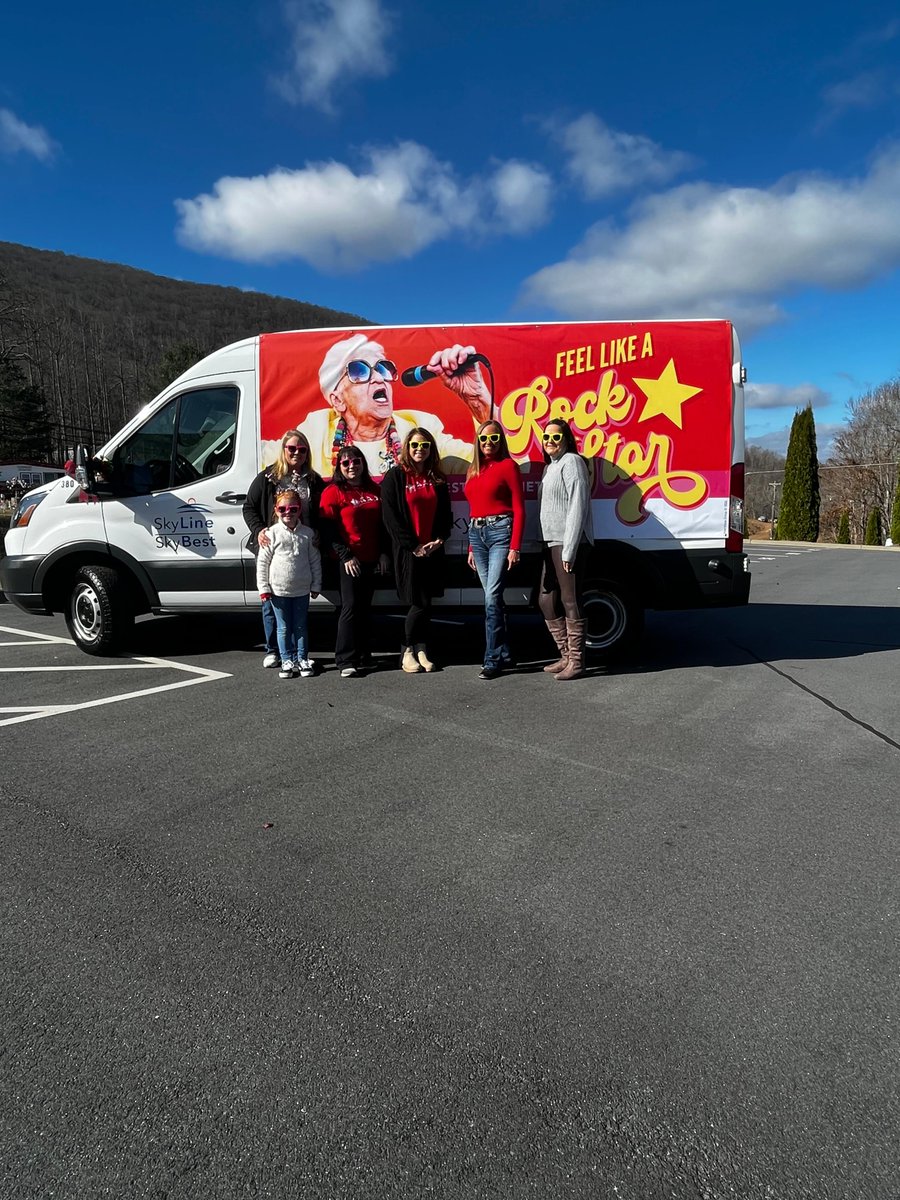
(567, 532)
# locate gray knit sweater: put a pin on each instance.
(290, 565)
(566, 505)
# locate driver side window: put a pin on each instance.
(191, 437)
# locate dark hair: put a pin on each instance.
(478, 456)
(569, 445)
(341, 479)
(432, 467)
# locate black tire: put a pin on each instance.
(615, 619)
(99, 615)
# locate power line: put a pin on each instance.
(834, 467)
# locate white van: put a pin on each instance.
(153, 522)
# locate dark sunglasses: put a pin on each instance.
(295, 450)
(420, 445)
(288, 508)
(493, 438)
(350, 461)
(361, 372)
(555, 438)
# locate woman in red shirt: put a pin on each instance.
(496, 521)
(417, 514)
(350, 517)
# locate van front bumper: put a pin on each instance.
(18, 574)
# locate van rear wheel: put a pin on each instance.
(615, 619)
(99, 616)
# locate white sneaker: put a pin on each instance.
(287, 671)
(349, 673)
(306, 668)
(272, 659)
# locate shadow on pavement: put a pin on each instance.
(766, 633)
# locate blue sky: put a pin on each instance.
(506, 161)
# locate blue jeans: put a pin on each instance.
(290, 621)
(269, 627)
(490, 547)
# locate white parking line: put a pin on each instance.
(49, 639)
(20, 713)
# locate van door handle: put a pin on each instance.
(232, 497)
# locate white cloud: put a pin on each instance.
(777, 395)
(778, 439)
(703, 250)
(340, 220)
(333, 43)
(521, 194)
(866, 90)
(15, 135)
(603, 161)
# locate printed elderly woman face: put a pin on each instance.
(365, 387)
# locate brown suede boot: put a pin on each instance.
(575, 666)
(557, 629)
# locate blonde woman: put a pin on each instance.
(496, 522)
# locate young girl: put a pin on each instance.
(290, 470)
(288, 572)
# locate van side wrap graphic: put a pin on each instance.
(650, 404)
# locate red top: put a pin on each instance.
(421, 499)
(357, 511)
(496, 490)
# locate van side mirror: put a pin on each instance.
(93, 474)
(82, 463)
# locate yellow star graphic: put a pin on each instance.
(665, 395)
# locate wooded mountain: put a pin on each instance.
(97, 340)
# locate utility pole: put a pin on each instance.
(773, 486)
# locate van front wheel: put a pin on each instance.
(615, 619)
(98, 615)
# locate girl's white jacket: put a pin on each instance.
(290, 565)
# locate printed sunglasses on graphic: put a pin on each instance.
(358, 371)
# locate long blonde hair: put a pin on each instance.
(478, 459)
(281, 467)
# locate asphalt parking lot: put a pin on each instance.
(632, 936)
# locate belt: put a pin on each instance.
(491, 520)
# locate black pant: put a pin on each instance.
(560, 589)
(355, 621)
(418, 623)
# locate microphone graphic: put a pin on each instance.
(413, 376)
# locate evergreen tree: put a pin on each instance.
(895, 512)
(873, 528)
(798, 517)
(24, 424)
(843, 529)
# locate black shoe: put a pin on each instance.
(490, 672)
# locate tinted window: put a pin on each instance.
(189, 438)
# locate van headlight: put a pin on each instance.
(25, 511)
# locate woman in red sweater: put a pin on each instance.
(350, 518)
(496, 521)
(418, 517)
